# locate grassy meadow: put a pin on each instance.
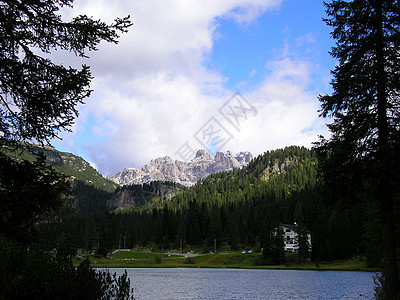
(133, 259)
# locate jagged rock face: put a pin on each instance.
(130, 176)
(186, 173)
(131, 196)
(121, 200)
(244, 158)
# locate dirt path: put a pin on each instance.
(187, 254)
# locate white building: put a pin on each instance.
(291, 237)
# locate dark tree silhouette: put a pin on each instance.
(364, 106)
(37, 97)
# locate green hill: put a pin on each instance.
(270, 177)
(90, 189)
(66, 163)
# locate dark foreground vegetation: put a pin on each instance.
(38, 99)
(30, 273)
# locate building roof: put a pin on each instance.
(294, 228)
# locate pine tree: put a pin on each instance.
(38, 98)
(364, 106)
(302, 239)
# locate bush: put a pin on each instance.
(379, 281)
(32, 274)
(189, 261)
(157, 260)
(291, 259)
(259, 261)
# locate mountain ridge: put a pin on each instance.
(66, 163)
(185, 173)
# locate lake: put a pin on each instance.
(183, 283)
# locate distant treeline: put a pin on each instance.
(237, 209)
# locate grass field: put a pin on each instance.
(141, 255)
(231, 260)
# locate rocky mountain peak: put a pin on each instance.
(203, 155)
(244, 158)
(186, 173)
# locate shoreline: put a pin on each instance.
(101, 266)
(227, 261)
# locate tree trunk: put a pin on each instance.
(384, 192)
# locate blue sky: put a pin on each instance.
(240, 52)
(182, 61)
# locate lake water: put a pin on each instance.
(248, 284)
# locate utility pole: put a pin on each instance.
(215, 246)
(181, 246)
(119, 245)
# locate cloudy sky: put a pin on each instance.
(239, 75)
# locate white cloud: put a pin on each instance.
(286, 113)
(152, 92)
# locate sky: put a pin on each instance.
(238, 75)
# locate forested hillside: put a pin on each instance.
(90, 190)
(236, 209)
(64, 162)
(143, 195)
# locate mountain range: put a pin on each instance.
(185, 173)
